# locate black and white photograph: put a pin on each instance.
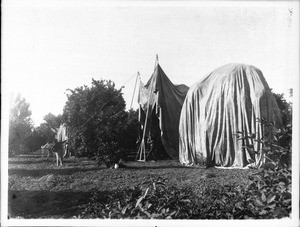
(149, 113)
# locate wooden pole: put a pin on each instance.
(137, 77)
(142, 150)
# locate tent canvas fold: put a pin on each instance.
(164, 100)
(230, 99)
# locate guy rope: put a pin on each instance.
(105, 104)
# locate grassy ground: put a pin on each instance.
(39, 189)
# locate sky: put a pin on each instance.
(51, 46)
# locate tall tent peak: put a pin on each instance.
(160, 102)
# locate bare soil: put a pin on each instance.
(40, 189)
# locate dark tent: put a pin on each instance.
(228, 100)
(161, 101)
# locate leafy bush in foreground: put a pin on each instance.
(271, 192)
(271, 186)
(154, 200)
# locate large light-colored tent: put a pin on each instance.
(230, 99)
(161, 101)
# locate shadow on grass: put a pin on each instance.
(40, 160)
(145, 167)
(36, 161)
(54, 171)
(45, 204)
(31, 156)
(70, 171)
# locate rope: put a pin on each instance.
(101, 108)
(105, 104)
(129, 79)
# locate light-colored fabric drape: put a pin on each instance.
(62, 133)
(228, 100)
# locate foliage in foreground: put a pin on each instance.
(267, 196)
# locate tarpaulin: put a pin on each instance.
(165, 101)
(229, 100)
(62, 133)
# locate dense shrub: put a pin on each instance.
(271, 192)
(34, 141)
(99, 125)
(286, 111)
(270, 187)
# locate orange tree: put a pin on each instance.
(286, 110)
(99, 125)
(20, 125)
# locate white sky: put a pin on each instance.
(50, 46)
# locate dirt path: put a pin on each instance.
(39, 189)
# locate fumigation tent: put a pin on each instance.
(163, 100)
(230, 99)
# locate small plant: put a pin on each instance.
(109, 154)
(271, 192)
(270, 188)
(152, 199)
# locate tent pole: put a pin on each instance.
(142, 150)
(156, 61)
(137, 77)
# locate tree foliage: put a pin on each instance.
(20, 125)
(39, 136)
(34, 141)
(53, 121)
(97, 120)
(46, 133)
(23, 136)
(286, 110)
